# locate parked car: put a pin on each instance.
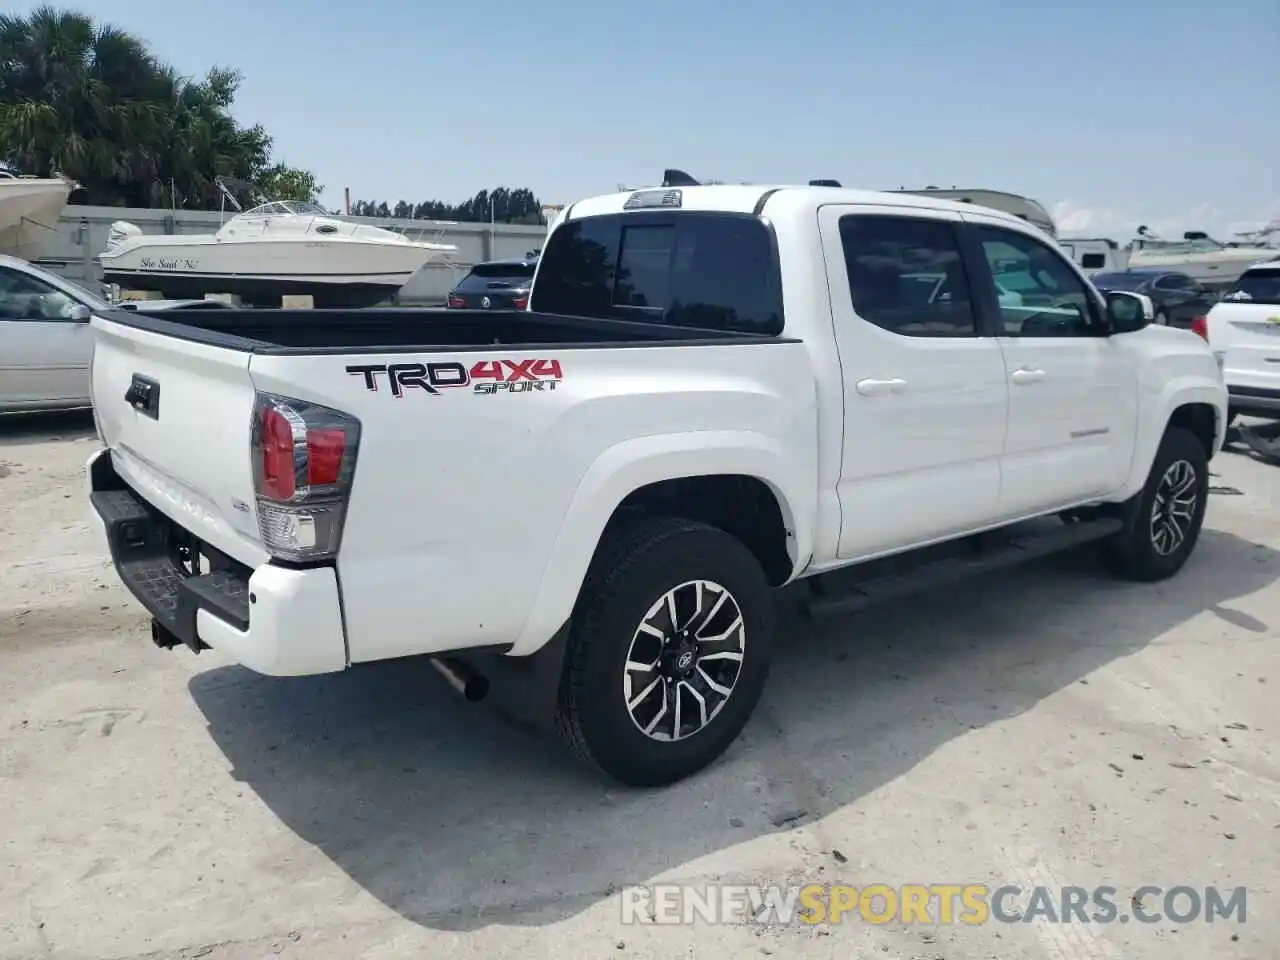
(1243, 329)
(1178, 299)
(45, 343)
(496, 285)
(716, 391)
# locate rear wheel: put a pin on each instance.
(668, 652)
(1162, 523)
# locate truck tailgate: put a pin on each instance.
(177, 417)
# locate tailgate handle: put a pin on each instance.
(144, 396)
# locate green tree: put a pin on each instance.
(287, 183)
(503, 205)
(92, 102)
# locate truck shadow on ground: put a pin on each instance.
(456, 820)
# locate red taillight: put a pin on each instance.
(303, 460)
(278, 478)
(456, 303)
(520, 303)
(325, 449)
(1200, 327)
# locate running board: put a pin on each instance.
(876, 589)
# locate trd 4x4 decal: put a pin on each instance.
(485, 377)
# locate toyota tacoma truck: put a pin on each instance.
(714, 391)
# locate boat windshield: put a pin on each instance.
(287, 208)
(1199, 245)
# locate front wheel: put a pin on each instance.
(1162, 523)
(668, 652)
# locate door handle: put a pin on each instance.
(881, 388)
(1026, 375)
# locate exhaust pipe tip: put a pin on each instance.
(462, 678)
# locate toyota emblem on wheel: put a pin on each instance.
(486, 303)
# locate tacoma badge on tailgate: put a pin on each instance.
(144, 396)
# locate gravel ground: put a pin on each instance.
(1044, 727)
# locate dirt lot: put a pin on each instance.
(1044, 727)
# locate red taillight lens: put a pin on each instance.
(303, 462)
(521, 303)
(325, 449)
(275, 452)
(456, 302)
(1200, 327)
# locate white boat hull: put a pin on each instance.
(1211, 270)
(334, 272)
(29, 212)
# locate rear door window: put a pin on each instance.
(906, 275)
(1256, 286)
(692, 269)
(485, 276)
(1176, 281)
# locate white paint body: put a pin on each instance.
(472, 520)
(1247, 337)
(271, 243)
(29, 212)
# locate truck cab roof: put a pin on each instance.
(758, 199)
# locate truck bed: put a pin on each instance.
(284, 332)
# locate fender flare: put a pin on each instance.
(625, 467)
(1177, 394)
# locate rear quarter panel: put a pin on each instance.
(474, 513)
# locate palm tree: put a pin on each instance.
(92, 102)
(74, 99)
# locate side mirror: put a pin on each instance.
(80, 314)
(1128, 312)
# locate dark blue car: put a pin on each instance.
(1177, 298)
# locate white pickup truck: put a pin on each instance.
(717, 390)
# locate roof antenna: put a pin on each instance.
(677, 178)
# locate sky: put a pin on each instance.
(1111, 113)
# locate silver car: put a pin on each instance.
(44, 336)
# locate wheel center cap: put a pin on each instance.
(684, 662)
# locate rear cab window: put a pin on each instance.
(1258, 285)
(688, 268)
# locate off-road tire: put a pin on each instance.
(634, 566)
(1132, 553)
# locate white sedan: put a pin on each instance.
(44, 336)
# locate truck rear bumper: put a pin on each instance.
(280, 621)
